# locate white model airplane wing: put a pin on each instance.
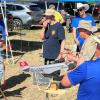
(48, 69)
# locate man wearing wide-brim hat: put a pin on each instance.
(83, 17)
(87, 75)
(91, 36)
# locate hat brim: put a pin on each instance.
(86, 6)
(85, 31)
(49, 12)
(46, 14)
(93, 29)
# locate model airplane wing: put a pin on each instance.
(48, 69)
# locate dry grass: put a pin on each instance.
(19, 84)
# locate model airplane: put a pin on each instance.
(43, 82)
(43, 69)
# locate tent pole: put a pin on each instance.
(93, 9)
(5, 23)
(7, 39)
(46, 4)
(75, 8)
(6, 31)
(58, 6)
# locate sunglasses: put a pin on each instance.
(81, 9)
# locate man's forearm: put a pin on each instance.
(66, 82)
(74, 33)
(62, 21)
(62, 45)
(74, 36)
(42, 33)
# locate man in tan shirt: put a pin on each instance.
(87, 52)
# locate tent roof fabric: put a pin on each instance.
(7, 0)
(78, 0)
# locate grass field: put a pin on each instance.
(27, 46)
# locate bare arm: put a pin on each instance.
(42, 34)
(60, 56)
(63, 42)
(43, 20)
(62, 21)
(75, 57)
(66, 82)
(74, 36)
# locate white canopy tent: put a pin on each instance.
(5, 26)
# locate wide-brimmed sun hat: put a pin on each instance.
(80, 5)
(49, 12)
(52, 6)
(87, 26)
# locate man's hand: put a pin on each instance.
(61, 57)
(43, 20)
(71, 57)
(45, 23)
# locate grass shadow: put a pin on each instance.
(14, 80)
(12, 33)
(15, 93)
(25, 46)
(35, 27)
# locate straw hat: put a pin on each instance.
(49, 12)
(52, 6)
(80, 5)
(87, 25)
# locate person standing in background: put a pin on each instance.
(58, 16)
(81, 8)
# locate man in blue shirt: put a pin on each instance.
(87, 75)
(82, 8)
(2, 30)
